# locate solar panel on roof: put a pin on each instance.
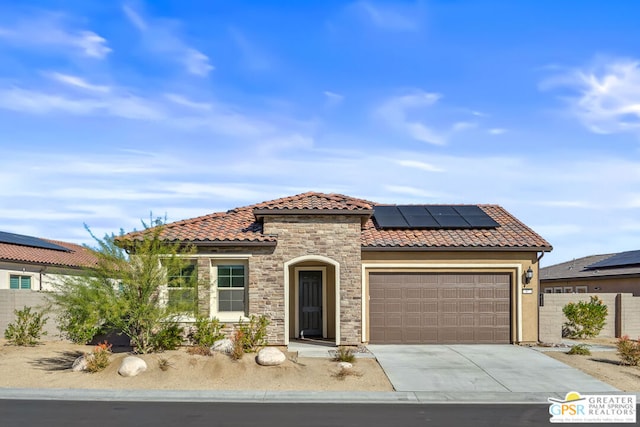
(452, 221)
(618, 260)
(421, 221)
(469, 210)
(480, 220)
(441, 210)
(34, 242)
(413, 210)
(432, 217)
(390, 217)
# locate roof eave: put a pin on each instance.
(227, 243)
(599, 276)
(455, 248)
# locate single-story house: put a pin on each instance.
(32, 263)
(29, 265)
(608, 273)
(354, 271)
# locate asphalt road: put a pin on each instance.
(21, 413)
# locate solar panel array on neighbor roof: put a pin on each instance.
(432, 217)
(34, 242)
(618, 260)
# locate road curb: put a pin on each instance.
(281, 396)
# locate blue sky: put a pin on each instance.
(110, 111)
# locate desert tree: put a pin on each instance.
(139, 286)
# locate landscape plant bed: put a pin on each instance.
(48, 365)
(603, 365)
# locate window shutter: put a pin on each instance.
(14, 282)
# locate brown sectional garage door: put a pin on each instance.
(439, 308)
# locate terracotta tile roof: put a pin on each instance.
(509, 235)
(577, 269)
(77, 257)
(237, 225)
(313, 201)
(241, 226)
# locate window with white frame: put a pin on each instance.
(182, 287)
(568, 289)
(557, 290)
(19, 282)
(231, 287)
(548, 290)
(581, 289)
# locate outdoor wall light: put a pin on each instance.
(528, 275)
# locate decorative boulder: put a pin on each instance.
(270, 356)
(345, 365)
(223, 346)
(80, 364)
(132, 366)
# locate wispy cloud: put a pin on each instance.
(38, 102)
(253, 57)
(497, 131)
(333, 99)
(48, 30)
(605, 97)
(160, 36)
(78, 82)
(394, 17)
(428, 167)
(396, 112)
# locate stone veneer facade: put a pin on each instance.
(333, 236)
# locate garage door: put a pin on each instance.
(439, 308)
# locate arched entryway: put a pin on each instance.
(312, 295)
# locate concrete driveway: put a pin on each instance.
(480, 368)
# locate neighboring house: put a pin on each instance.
(31, 263)
(609, 273)
(354, 271)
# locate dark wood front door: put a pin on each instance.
(310, 303)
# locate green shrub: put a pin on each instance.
(254, 333)
(585, 319)
(580, 349)
(169, 337)
(344, 354)
(98, 359)
(27, 329)
(207, 331)
(629, 351)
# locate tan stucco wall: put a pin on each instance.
(461, 261)
(616, 285)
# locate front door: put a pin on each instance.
(310, 303)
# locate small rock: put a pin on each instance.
(345, 365)
(132, 366)
(270, 356)
(224, 346)
(80, 364)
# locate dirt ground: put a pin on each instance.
(48, 365)
(603, 365)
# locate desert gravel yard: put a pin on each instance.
(48, 365)
(603, 365)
